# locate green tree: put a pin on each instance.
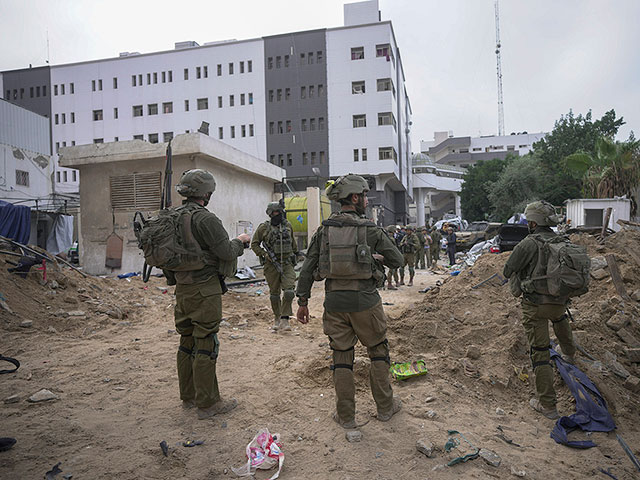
(612, 170)
(473, 195)
(570, 134)
(518, 184)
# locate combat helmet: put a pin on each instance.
(543, 213)
(196, 183)
(274, 207)
(345, 186)
(391, 229)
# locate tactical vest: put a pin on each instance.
(278, 239)
(407, 245)
(345, 257)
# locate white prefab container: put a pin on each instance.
(590, 212)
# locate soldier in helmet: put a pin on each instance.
(420, 252)
(198, 309)
(538, 310)
(276, 247)
(347, 251)
(436, 237)
(393, 272)
(409, 245)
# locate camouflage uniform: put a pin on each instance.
(279, 239)
(420, 251)
(408, 246)
(436, 237)
(392, 276)
(537, 311)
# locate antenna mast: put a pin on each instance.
(499, 72)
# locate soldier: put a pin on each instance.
(276, 247)
(537, 309)
(451, 245)
(352, 307)
(420, 251)
(427, 247)
(393, 272)
(198, 309)
(409, 246)
(436, 238)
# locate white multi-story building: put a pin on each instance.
(319, 103)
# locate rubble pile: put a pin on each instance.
(475, 335)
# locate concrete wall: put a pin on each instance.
(30, 88)
(576, 210)
(244, 187)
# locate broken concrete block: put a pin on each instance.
(598, 263)
(492, 458)
(353, 436)
(599, 274)
(636, 295)
(632, 383)
(425, 447)
(627, 337)
(633, 354)
(76, 313)
(12, 399)
(473, 352)
(43, 396)
(618, 321)
(26, 324)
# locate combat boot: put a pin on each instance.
(401, 281)
(395, 408)
(390, 286)
(284, 324)
(410, 284)
(221, 406)
(550, 413)
(276, 324)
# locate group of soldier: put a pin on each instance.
(348, 252)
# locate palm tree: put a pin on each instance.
(613, 171)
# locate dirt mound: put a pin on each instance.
(474, 335)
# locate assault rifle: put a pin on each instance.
(273, 258)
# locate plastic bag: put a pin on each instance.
(263, 452)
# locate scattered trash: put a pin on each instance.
(246, 273)
(263, 452)
(454, 442)
(495, 275)
(129, 275)
(51, 474)
(431, 414)
(191, 443)
(10, 360)
(379, 454)
(523, 377)
(165, 448)
(429, 399)
(403, 371)
(425, 290)
(491, 457)
(506, 439)
(387, 303)
(455, 272)
(500, 411)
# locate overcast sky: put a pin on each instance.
(556, 55)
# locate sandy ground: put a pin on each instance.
(113, 369)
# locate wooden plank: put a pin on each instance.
(617, 278)
(605, 224)
(635, 255)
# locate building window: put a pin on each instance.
(387, 153)
(133, 80)
(287, 93)
(302, 59)
(357, 53)
(231, 100)
(140, 79)
(278, 61)
(364, 154)
(56, 118)
(242, 99)
(170, 76)
(167, 107)
(219, 102)
(198, 72)
(359, 121)
(312, 124)
(313, 158)
(385, 84)
(55, 91)
(271, 128)
(186, 74)
(148, 79)
(138, 137)
(322, 157)
(251, 129)
(249, 66)
(73, 117)
(64, 176)
(509, 148)
(312, 91)
(269, 63)
(153, 138)
(137, 110)
(186, 105)
(241, 67)
(167, 136)
(203, 103)
(304, 158)
(96, 140)
(310, 58)
(155, 77)
(281, 159)
(64, 118)
(289, 160)
(288, 126)
(358, 87)
(280, 127)
(74, 176)
(319, 56)
(286, 61)
(356, 155)
(384, 50)
(320, 90)
(303, 92)
(303, 125)
(519, 146)
(115, 113)
(115, 82)
(97, 115)
(137, 191)
(386, 118)
(22, 178)
(272, 159)
(72, 88)
(250, 98)
(100, 84)
(270, 95)
(57, 146)
(21, 93)
(243, 131)
(279, 94)
(220, 133)
(233, 131)
(219, 69)
(164, 77)
(206, 71)
(58, 177)
(152, 109)
(93, 86)
(30, 92)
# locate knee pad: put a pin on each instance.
(288, 295)
(379, 352)
(207, 346)
(343, 359)
(274, 297)
(186, 344)
(561, 319)
(540, 356)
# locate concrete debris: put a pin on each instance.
(224, 323)
(633, 354)
(353, 436)
(54, 285)
(517, 472)
(431, 414)
(70, 299)
(599, 274)
(627, 337)
(636, 295)
(616, 367)
(425, 447)
(12, 399)
(500, 411)
(492, 458)
(632, 383)
(236, 336)
(26, 324)
(76, 313)
(473, 352)
(598, 263)
(43, 395)
(618, 321)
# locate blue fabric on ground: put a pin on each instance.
(591, 408)
(15, 222)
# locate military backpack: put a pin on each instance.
(562, 269)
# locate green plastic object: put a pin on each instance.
(403, 371)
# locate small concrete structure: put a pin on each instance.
(125, 177)
(590, 212)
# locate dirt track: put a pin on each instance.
(117, 388)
